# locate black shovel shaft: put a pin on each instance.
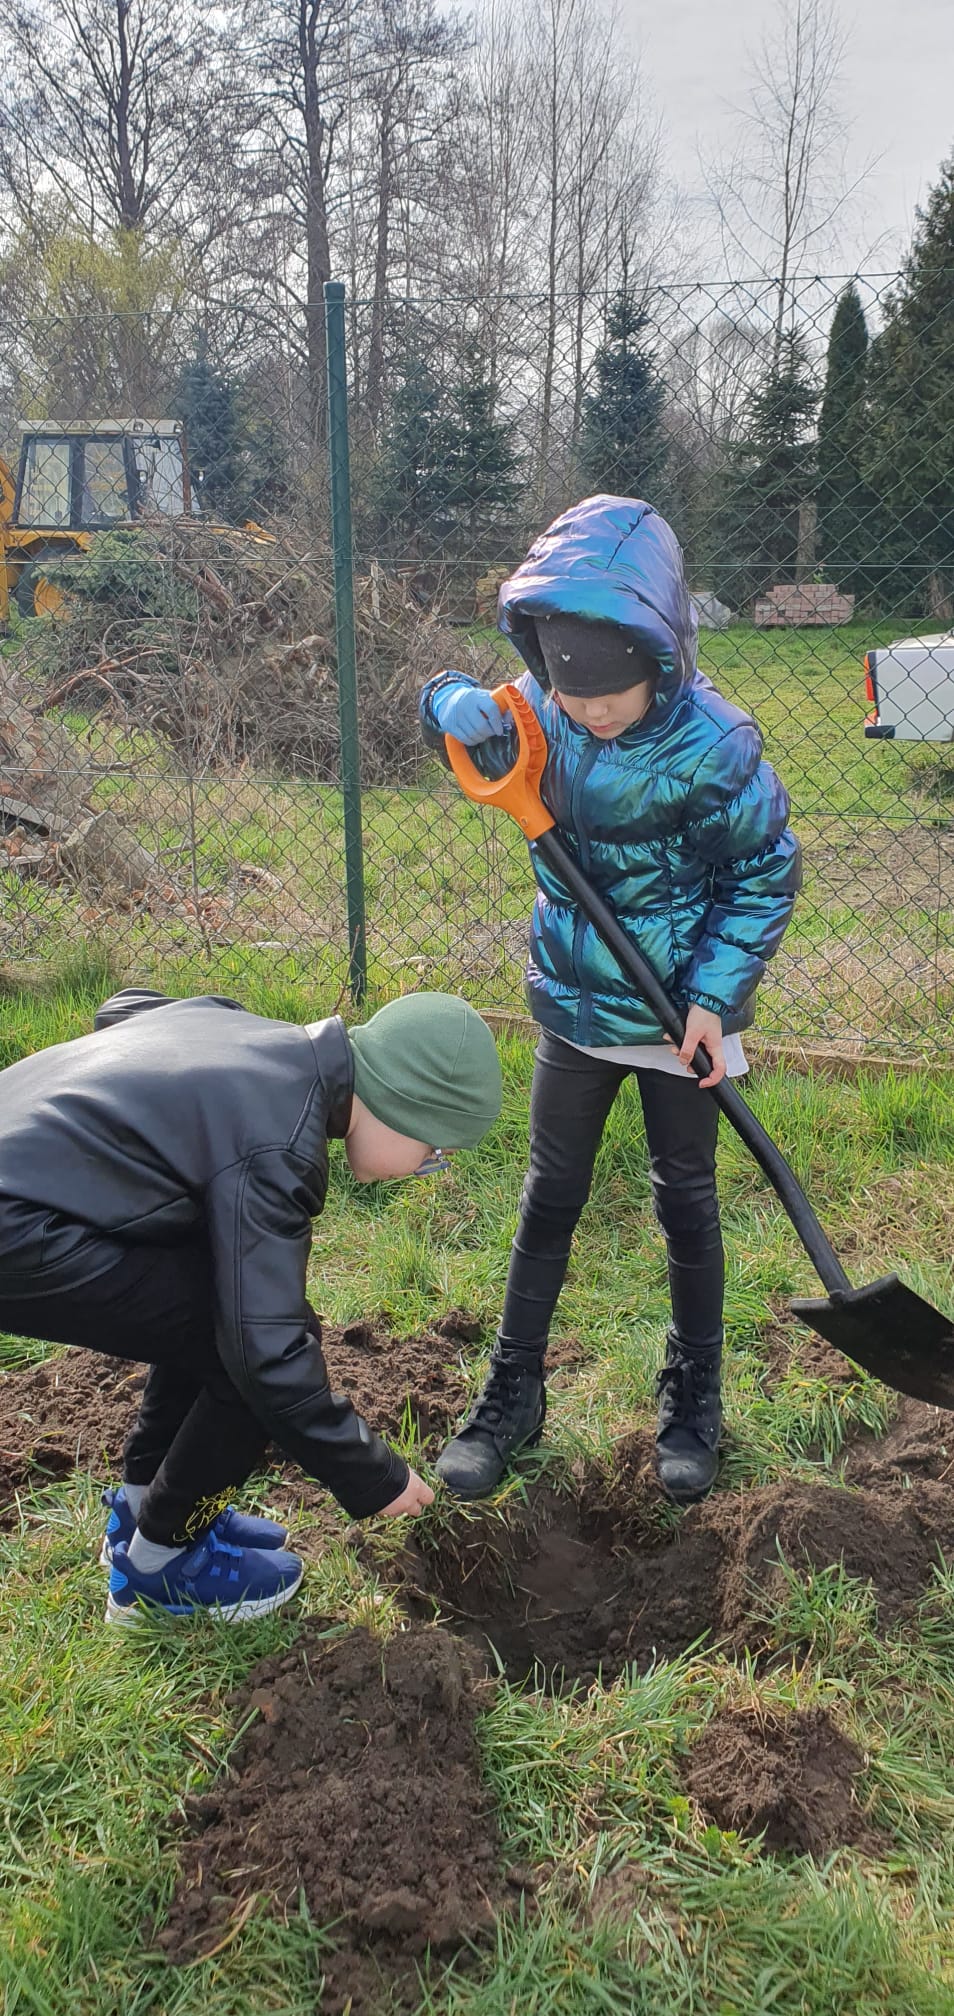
(824, 1259)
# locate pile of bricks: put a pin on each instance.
(794, 604)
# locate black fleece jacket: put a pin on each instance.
(199, 1118)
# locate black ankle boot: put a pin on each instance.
(507, 1415)
(689, 1422)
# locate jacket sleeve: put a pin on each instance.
(259, 1215)
(136, 1000)
(737, 821)
(493, 757)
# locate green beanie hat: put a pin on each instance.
(427, 1066)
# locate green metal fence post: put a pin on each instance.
(340, 468)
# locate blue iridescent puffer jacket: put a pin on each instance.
(680, 824)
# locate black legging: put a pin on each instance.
(570, 1102)
(195, 1439)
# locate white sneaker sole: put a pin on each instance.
(224, 1613)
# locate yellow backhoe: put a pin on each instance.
(72, 482)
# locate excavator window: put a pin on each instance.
(45, 488)
(159, 477)
(105, 491)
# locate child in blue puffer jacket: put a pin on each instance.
(659, 787)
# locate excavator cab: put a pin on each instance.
(73, 482)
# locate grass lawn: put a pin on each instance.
(642, 1901)
(256, 880)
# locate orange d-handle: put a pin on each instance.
(518, 792)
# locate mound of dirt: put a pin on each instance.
(567, 1586)
(919, 1443)
(70, 1412)
(789, 1777)
(74, 1410)
(359, 1785)
(386, 1377)
(890, 1543)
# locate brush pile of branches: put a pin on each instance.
(222, 643)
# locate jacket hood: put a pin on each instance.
(608, 560)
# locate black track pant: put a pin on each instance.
(570, 1102)
(195, 1439)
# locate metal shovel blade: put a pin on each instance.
(891, 1332)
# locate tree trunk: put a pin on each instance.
(316, 230)
(374, 377)
(807, 539)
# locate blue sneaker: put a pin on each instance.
(230, 1583)
(237, 1529)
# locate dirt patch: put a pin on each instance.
(877, 869)
(565, 1356)
(790, 1777)
(919, 1442)
(891, 1544)
(74, 1410)
(359, 1785)
(70, 1412)
(566, 1587)
(792, 1352)
(389, 1378)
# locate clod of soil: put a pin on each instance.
(790, 1777)
(565, 1587)
(74, 1410)
(358, 1784)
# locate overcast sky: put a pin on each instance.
(897, 92)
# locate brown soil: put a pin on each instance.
(790, 1351)
(70, 1412)
(74, 1410)
(566, 1587)
(790, 1777)
(919, 1443)
(386, 1377)
(359, 1785)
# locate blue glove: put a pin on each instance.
(468, 712)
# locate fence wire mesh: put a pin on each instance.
(170, 775)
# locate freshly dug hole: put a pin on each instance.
(572, 1584)
(358, 1784)
(789, 1777)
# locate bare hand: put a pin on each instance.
(702, 1026)
(415, 1495)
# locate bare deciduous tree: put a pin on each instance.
(114, 109)
(783, 190)
(296, 95)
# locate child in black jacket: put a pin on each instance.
(158, 1180)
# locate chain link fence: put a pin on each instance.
(209, 755)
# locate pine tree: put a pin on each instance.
(771, 474)
(206, 402)
(237, 455)
(622, 448)
(483, 482)
(448, 474)
(411, 486)
(845, 504)
(910, 454)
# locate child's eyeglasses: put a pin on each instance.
(433, 1163)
